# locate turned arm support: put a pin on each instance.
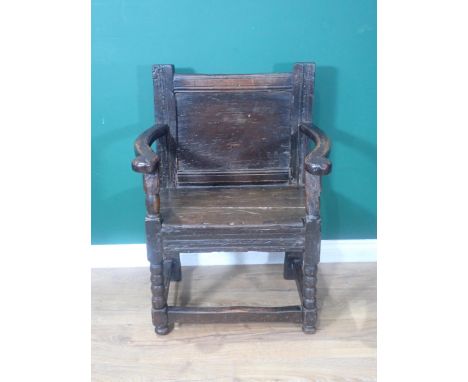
(147, 160)
(316, 165)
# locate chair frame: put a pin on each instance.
(159, 171)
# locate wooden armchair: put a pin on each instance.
(233, 173)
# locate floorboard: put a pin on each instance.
(125, 348)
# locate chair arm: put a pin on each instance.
(316, 162)
(147, 160)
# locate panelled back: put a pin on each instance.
(231, 129)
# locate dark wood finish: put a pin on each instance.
(235, 314)
(165, 114)
(232, 172)
(225, 137)
(303, 89)
(232, 82)
(290, 260)
(316, 162)
(176, 270)
(147, 160)
(233, 207)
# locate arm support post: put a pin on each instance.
(313, 187)
(147, 163)
(315, 164)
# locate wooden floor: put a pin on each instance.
(125, 348)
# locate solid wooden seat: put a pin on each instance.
(233, 173)
(233, 207)
(196, 219)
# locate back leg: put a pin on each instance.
(288, 270)
(176, 268)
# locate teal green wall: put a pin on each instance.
(215, 36)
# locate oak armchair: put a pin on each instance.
(233, 172)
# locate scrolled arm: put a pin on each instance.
(315, 162)
(147, 160)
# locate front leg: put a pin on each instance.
(155, 253)
(311, 254)
(309, 279)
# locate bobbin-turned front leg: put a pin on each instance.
(155, 253)
(147, 162)
(311, 253)
(309, 294)
(158, 300)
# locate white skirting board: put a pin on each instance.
(134, 255)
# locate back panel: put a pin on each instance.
(233, 129)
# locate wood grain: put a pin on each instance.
(198, 220)
(232, 207)
(165, 114)
(231, 132)
(124, 347)
(241, 82)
